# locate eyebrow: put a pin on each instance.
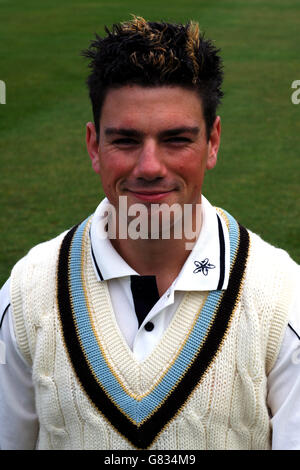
(122, 131)
(179, 130)
(166, 133)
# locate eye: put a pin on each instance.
(178, 140)
(124, 141)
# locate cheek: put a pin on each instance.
(113, 167)
(113, 170)
(192, 171)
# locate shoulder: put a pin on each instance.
(265, 262)
(40, 254)
(270, 270)
(272, 276)
(35, 271)
(267, 258)
(39, 266)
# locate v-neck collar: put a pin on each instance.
(105, 366)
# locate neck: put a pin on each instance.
(162, 258)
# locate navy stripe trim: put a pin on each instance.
(222, 254)
(294, 331)
(6, 309)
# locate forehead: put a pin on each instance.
(151, 106)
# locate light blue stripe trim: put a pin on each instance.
(138, 411)
(233, 235)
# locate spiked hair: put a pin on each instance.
(149, 54)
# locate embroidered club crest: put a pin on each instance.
(203, 266)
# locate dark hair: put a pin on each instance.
(155, 54)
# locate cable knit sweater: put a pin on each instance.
(202, 387)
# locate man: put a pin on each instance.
(143, 339)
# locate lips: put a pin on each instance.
(150, 196)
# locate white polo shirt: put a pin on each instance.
(143, 328)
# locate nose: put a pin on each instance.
(150, 164)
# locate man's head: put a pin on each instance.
(154, 88)
(152, 54)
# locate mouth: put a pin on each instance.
(150, 195)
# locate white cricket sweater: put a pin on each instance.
(202, 387)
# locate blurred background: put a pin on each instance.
(47, 184)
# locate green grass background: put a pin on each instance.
(47, 183)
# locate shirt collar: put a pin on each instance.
(208, 265)
(107, 261)
(206, 268)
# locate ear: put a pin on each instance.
(92, 146)
(214, 144)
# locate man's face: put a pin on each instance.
(153, 146)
